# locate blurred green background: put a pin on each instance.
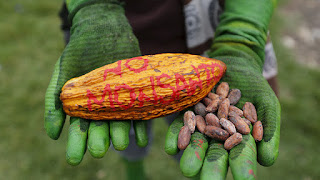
(30, 44)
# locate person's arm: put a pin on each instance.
(239, 42)
(100, 34)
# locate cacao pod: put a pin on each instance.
(141, 88)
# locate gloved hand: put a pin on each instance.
(100, 35)
(239, 42)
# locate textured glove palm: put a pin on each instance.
(100, 35)
(239, 42)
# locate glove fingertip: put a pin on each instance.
(270, 113)
(120, 147)
(97, 153)
(171, 140)
(171, 151)
(98, 138)
(119, 132)
(215, 165)
(141, 133)
(142, 143)
(53, 123)
(243, 159)
(193, 156)
(267, 155)
(73, 161)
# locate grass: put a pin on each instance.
(31, 42)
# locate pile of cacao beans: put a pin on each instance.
(218, 118)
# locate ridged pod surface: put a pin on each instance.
(141, 88)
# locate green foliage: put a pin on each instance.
(31, 43)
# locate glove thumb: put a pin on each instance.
(268, 110)
(54, 115)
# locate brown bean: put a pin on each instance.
(249, 112)
(206, 101)
(223, 108)
(236, 110)
(234, 96)
(189, 120)
(184, 138)
(212, 120)
(200, 109)
(228, 126)
(247, 121)
(223, 89)
(213, 96)
(216, 133)
(240, 125)
(257, 131)
(213, 106)
(201, 123)
(232, 141)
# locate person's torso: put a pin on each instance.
(158, 25)
(181, 26)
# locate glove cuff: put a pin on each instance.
(75, 5)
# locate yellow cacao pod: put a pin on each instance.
(141, 88)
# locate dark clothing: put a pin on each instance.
(158, 25)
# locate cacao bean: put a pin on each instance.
(212, 120)
(216, 133)
(240, 125)
(228, 126)
(223, 108)
(223, 89)
(257, 131)
(232, 141)
(213, 106)
(249, 112)
(236, 110)
(184, 138)
(206, 101)
(189, 120)
(200, 109)
(234, 96)
(213, 96)
(201, 123)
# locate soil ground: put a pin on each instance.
(301, 32)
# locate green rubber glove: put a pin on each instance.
(239, 42)
(100, 35)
